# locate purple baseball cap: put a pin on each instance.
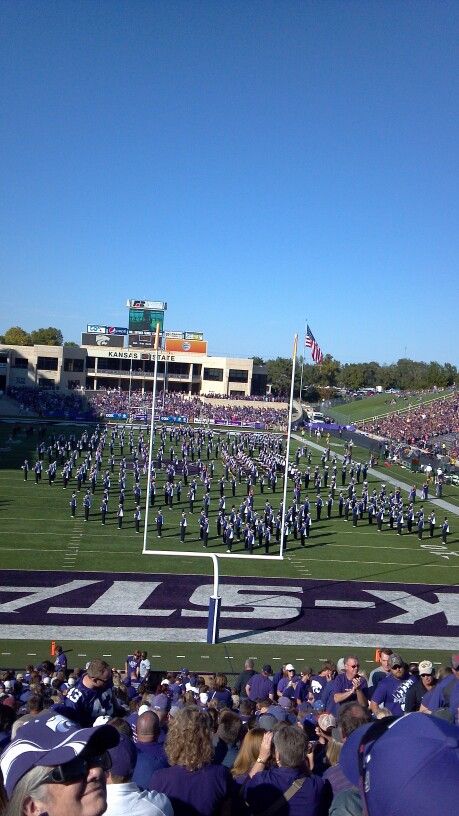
(50, 741)
(405, 765)
(124, 757)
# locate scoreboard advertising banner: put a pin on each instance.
(95, 328)
(102, 339)
(191, 346)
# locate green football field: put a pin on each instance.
(378, 405)
(38, 533)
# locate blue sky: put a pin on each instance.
(254, 164)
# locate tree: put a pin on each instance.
(71, 344)
(280, 374)
(47, 337)
(258, 361)
(16, 336)
(329, 369)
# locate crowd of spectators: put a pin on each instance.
(97, 404)
(48, 403)
(334, 740)
(419, 425)
(193, 408)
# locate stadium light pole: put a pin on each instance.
(287, 452)
(152, 431)
(130, 387)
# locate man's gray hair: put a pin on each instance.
(30, 785)
(291, 745)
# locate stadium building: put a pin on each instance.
(112, 365)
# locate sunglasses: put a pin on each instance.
(396, 667)
(78, 768)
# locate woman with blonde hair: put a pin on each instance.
(247, 756)
(193, 784)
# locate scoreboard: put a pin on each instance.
(145, 320)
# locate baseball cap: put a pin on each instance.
(395, 660)
(425, 775)
(267, 722)
(318, 705)
(340, 665)
(123, 756)
(267, 669)
(426, 667)
(326, 721)
(289, 667)
(285, 702)
(8, 684)
(46, 681)
(455, 662)
(51, 740)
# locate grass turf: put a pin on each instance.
(377, 405)
(36, 528)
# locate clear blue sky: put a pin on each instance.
(252, 163)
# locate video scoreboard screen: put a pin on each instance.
(145, 320)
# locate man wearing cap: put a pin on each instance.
(286, 686)
(422, 687)
(444, 693)
(54, 767)
(409, 765)
(123, 795)
(260, 686)
(391, 691)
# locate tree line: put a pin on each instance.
(17, 336)
(405, 374)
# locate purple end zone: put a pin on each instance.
(180, 602)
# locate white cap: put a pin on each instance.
(8, 684)
(143, 708)
(289, 667)
(71, 681)
(203, 697)
(46, 681)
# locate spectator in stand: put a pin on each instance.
(123, 795)
(422, 687)
(193, 784)
(221, 692)
(286, 781)
(351, 717)
(150, 753)
(92, 696)
(227, 739)
(391, 692)
(54, 767)
(404, 766)
(247, 756)
(244, 678)
(381, 671)
(350, 686)
(260, 686)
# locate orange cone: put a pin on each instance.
(53, 648)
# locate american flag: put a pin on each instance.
(310, 342)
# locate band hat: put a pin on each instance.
(49, 741)
(411, 765)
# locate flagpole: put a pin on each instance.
(287, 453)
(152, 433)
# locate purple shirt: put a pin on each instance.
(313, 798)
(391, 692)
(260, 687)
(340, 684)
(193, 793)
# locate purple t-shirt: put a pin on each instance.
(260, 687)
(312, 799)
(391, 693)
(340, 684)
(193, 793)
